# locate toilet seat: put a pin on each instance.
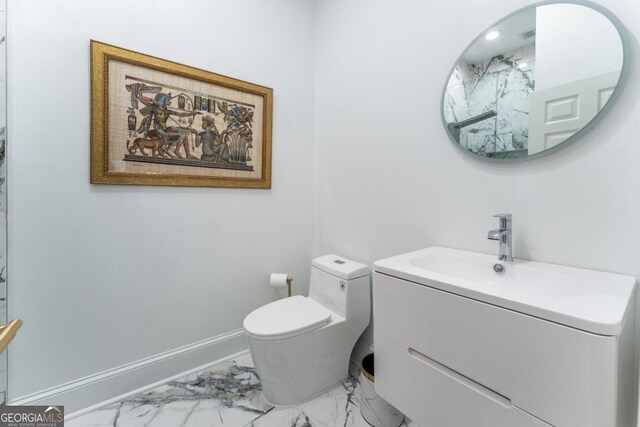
(286, 318)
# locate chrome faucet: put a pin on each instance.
(503, 234)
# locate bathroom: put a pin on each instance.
(121, 287)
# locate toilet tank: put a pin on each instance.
(341, 285)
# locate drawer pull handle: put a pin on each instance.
(468, 382)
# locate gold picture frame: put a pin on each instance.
(157, 122)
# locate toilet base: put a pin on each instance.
(310, 398)
(299, 368)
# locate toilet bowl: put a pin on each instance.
(301, 345)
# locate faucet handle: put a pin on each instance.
(505, 221)
(503, 216)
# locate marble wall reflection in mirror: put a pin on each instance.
(534, 81)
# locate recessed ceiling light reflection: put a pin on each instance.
(493, 34)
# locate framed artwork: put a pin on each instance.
(156, 122)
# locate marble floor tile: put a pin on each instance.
(228, 394)
(99, 417)
(244, 360)
(337, 407)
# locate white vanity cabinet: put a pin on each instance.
(448, 360)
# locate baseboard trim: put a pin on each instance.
(100, 388)
(146, 388)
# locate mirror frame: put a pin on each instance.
(624, 71)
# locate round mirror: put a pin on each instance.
(534, 81)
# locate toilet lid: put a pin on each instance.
(286, 317)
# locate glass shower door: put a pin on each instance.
(3, 192)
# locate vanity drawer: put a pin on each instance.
(562, 375)
(432, 395)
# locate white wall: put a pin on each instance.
(574, 42)
(390, 181)
(106, 275)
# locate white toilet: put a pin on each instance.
(301, 345)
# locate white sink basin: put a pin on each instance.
(584, 299)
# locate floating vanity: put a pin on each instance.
(458, 344)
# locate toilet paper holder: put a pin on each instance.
(281, 279)
(289, 282)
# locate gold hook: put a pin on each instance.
(7, 332)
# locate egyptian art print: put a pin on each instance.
(156, 122)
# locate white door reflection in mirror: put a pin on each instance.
(559, 112)
(566, 98)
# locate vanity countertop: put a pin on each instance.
(593, 301)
